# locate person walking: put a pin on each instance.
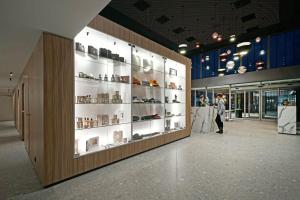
(220, 113)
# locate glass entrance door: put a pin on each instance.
(269, 104)
(239, 104)
(253, 104)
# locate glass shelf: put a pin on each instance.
(174, 116)
(77, 129)
(102, 103)
(97, 82)
(148, 120)
(147, 87)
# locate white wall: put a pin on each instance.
(6, 108)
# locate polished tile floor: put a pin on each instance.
(250, 161)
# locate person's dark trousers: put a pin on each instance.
(219, 123)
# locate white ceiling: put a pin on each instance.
(23, 21)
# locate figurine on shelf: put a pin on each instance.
(79, 123)
(124, 79)
(179, 87)
(116, 98)
(153, 83)
(168, 125)
(175, 99)
(115, 120)
(118, 137)
(84, 99)
(79, 47)
(105, 77)
(172, 85)
(112, 78)
(103, 52)
(100, 77)
(115, 56)
(145, 83)
(117, 78)
(166, 99)
(103, 98)
(102, 120)
(92, 51)
(176, 125)
(136, 81)
(135, 118)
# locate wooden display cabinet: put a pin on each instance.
(50, 110)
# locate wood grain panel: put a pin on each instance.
(32, 78)
(59, 107)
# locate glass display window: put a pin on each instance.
(123, 93)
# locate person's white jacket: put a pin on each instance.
(221, 109)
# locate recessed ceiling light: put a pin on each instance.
(223, 57)
(258, 39)
(207, 67)
(232, 38)
(215, 35)
(197, 45)
(182, 48)
(207, 58)
(219, 38)
(243, 48)
(230, 65)
(236, 57)
(262, 52)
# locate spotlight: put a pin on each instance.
(207, 67)
(242, 69)
(243, 48)
(262, 52)
(257, 40)
(207, 58)
(215, 35)
(197, 45)
(202, 60)
(232, 38)
(236, 58)
(230, 65)
(259, 65)
(182, 48)
(228, 51)
(223, 57)
(219, 38)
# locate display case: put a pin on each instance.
(123, 93)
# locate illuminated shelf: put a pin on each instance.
(100, 59)
(97, 82)
(147, 120)
(174, 116)
(98, 127)
(139, 64)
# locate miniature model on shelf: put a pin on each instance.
(123, 99)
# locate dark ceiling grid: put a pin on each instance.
(171, 14)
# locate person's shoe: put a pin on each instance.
(218, 132)
(221, 131)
